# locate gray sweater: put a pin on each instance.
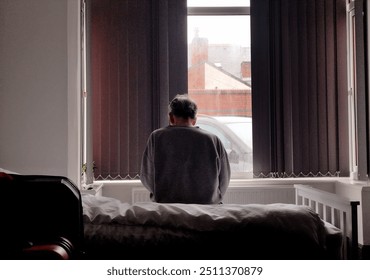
(185, 165)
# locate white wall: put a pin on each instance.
(34, 86)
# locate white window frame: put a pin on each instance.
(218, 11)
(352, 108)
(86, 163)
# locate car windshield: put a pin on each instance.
(236, 135)
(243, 130)
(241, 126)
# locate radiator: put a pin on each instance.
(260, 195)
(240, 195)
(140, 195)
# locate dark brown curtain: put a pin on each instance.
(138, 63)
(299, 88)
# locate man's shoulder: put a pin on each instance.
(160, 130)
(188, 131)
(207, 133)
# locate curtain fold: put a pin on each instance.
(138, 50)
(299, 88)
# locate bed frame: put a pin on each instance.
(336, 210)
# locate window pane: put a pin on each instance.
(218, 3)
(220, 82)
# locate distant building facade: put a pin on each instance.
(220, 78)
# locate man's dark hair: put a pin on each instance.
(182, 106)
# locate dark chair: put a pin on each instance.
(42, 218)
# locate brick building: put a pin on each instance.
(219, 78)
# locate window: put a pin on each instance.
(131, 77)
(219, 76)
(300, 103)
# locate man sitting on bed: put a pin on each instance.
(183, 163)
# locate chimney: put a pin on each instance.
(245, 69)
(199, 49)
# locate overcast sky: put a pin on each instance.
(220, 30)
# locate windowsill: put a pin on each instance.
(355, 190)
(260, 181)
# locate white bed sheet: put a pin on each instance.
(115, 230)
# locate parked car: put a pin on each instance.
(236, 135)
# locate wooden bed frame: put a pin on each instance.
(336, 210)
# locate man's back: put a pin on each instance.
(185, 164)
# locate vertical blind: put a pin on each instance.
(298, 50)
(138, 63)
(299, 85)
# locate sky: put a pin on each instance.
(229, 30)
(220, 29)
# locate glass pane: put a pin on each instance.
(218, 3)
(220, 82)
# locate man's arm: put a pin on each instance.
(224, 177)
(147, 167)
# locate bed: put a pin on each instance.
(148, 230)
(333, 210)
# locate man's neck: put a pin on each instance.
(182, 122)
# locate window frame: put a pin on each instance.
(219, 11)
(358, 91)
(352, 99)
(209, 11)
